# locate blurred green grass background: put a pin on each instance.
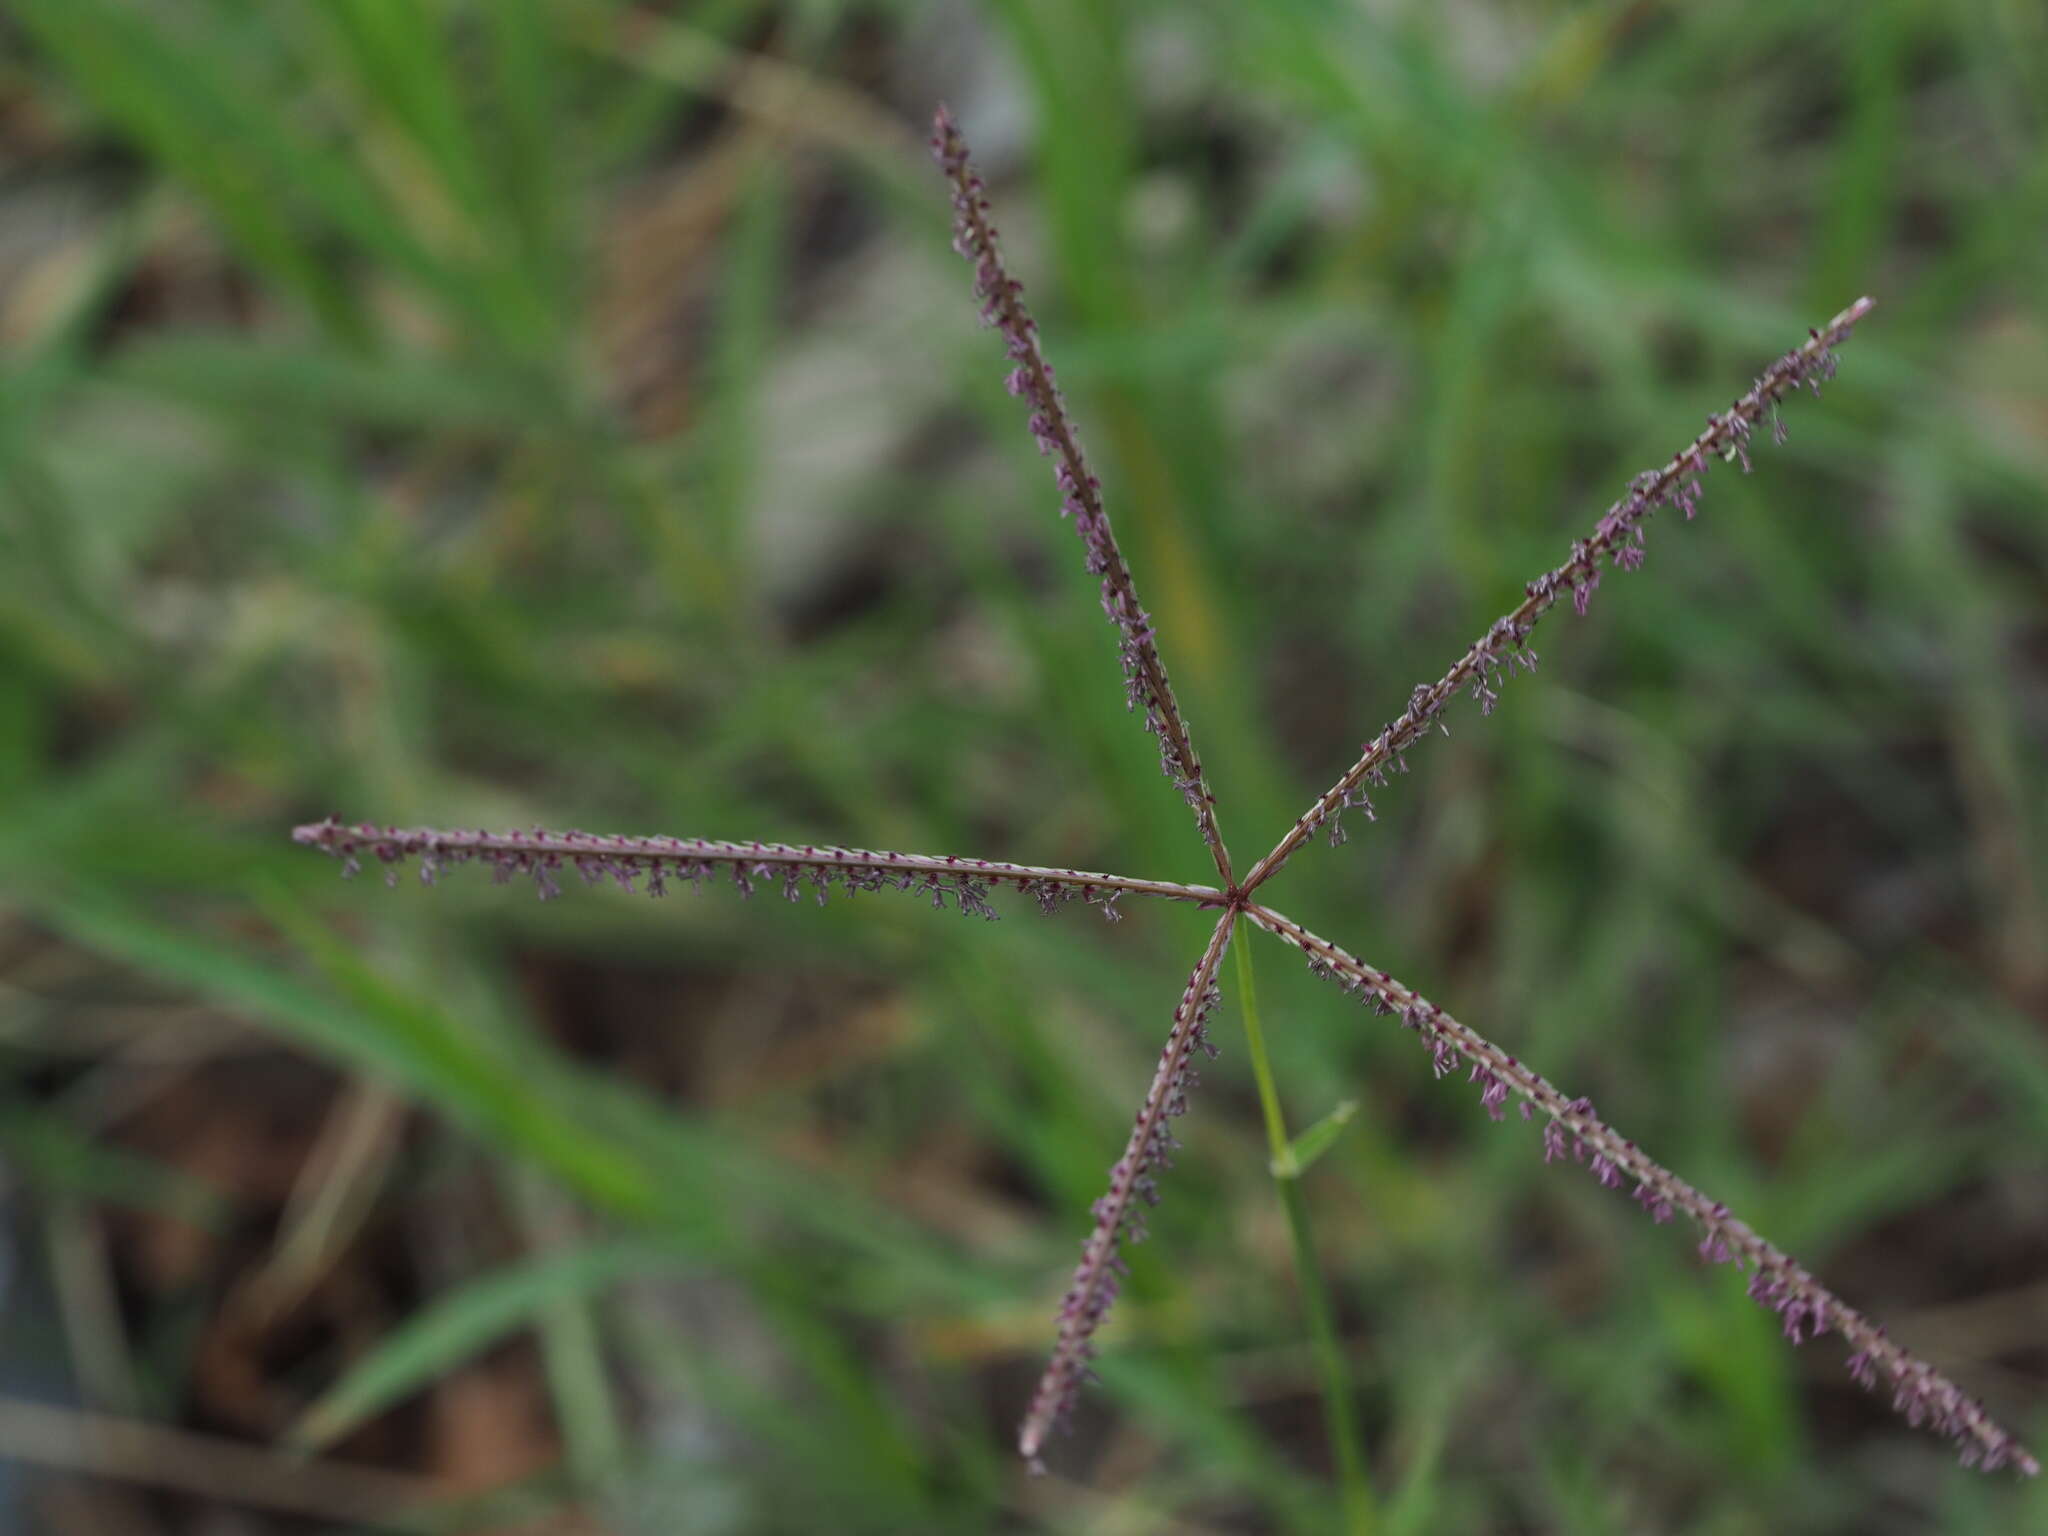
(490, 414)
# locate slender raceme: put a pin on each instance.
(1031, 379)
(1120, 1213)
(660, 860)
(1571, 1130)
(1808, 1308)
(1618, 536)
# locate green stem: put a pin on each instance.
(1353, 1483)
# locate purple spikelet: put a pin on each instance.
(1031, 379)
(1120, 1213)
(1806, 1308)
(794, 870)
(1617, 538)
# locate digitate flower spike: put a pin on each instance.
(1807, 1307)
(1031, 379)
(1618, 537)
(1571, 1131)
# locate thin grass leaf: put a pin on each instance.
(460, 1325)
(43, 1148)
(1312, 1143)
(377, 1029)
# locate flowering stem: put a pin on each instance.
(1031, 380)
(1119, 1214)
(1283, 1163)
(1618, 537)
(1353, 1482)
(1572, 1131)
(662, 861)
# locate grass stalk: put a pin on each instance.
(1354, 1484)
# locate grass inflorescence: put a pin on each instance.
(1572, 1130)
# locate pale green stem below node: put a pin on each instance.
(1354, 1484)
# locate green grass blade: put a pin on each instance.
(468, 1320)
